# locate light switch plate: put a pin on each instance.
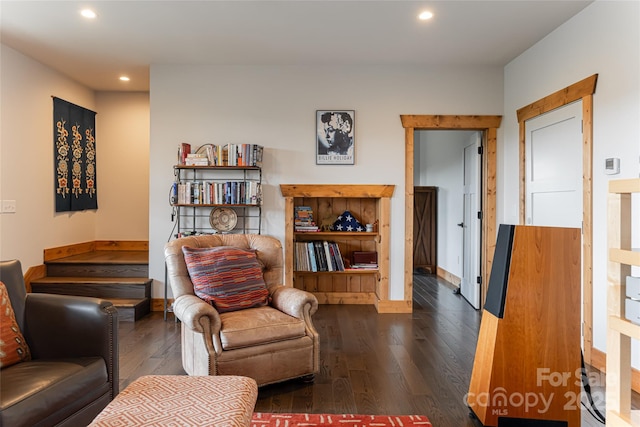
(8, 206)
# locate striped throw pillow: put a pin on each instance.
(227, 277)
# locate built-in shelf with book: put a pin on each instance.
(370, 204)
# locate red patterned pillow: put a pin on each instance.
(13, 347)
(229, 278)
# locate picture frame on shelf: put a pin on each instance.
(335, 137)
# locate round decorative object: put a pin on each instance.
(223, 219)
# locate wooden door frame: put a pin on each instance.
(489, 126)
(582, 90)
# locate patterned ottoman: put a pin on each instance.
(181, 400)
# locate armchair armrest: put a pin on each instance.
(294, 302)
(65, 326)
(191, 311)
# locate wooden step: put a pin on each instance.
(98, 287)
(130, 310)
(101, 263)
(117, 271)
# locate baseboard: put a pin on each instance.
(451, 278)
(396, 306)
(599, 361)
(52, 254)
(157, 304)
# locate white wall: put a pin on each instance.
(275, 107)
(123, 165)
(439, 161)
(27, 167)
(605, 39)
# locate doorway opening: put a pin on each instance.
(447, 208)
(488, 126)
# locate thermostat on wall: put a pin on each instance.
(612, 166)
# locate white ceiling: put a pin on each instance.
(128, 36)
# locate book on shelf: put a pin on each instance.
(321, 259)
(312, 257)
(244, 155)
(219, 192)
(184, 149)
(318, 256)
(364, 266)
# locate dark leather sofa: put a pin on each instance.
(73, 371)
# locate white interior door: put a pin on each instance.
(553, 145)
(469, 287)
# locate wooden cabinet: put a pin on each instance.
(370, 204)
(217, 199)
(620, 331)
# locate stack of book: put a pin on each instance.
(303, 220)
(365, 260)
(318, 256)
(196, 159)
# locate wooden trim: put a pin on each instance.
(522, 170)
(557, 99)
(408, 215)
(587, 224)
(395, 306)
(68, 250)
(384, 246)
(333, 190)
(582, 90)
(450, 122)
(288, 241)
(451, 278)
(33, 273)
(363, 298)
(489, 202)
(52, 254)
(122, 245)
(487, 124)
(599, 362)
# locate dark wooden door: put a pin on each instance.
(425, 228)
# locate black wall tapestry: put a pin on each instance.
(74, 142)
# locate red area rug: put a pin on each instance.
(343, 420)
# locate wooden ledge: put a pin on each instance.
(336, 190)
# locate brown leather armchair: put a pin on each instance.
(73, 371)
(248, 342)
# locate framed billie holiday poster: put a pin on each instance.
(335, 141)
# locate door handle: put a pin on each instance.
(461, 224)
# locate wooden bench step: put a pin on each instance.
(101, 264)
(99, 287)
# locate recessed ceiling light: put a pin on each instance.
(425, 15)
(124, 78)
(88, 13)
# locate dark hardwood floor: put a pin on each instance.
(371, 363)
